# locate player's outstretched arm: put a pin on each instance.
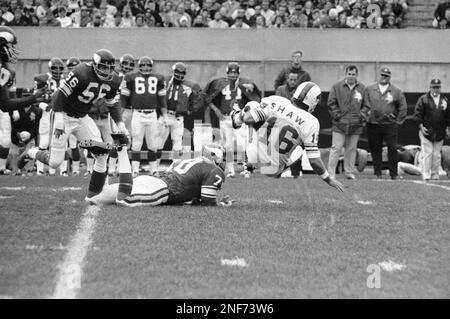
(319, 168)
(10, 104)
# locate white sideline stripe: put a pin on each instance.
(363, 202)
(5, 197)
(69, 276)
(13, 188)
(61, 189)
(429, 184)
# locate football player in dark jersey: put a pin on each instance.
(224, 94)
(8, 57)
(85, 84)
(197, 180)
(145, 91)
(127, 64)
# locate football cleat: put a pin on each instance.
(96, 147)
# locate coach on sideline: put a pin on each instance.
(385, 107)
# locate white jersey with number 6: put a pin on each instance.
(280, 128)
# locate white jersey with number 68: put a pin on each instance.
(280, 128)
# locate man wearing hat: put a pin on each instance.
(384, 106)
(432, 114)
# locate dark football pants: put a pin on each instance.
(376, 133)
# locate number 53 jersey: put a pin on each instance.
(279, 128)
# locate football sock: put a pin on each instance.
(100, 163)
(41, 156)
(75, 166)
(135, 165)
(96, 183)
(3, 157)
(2, 164)
(76, 156)
(124, 162)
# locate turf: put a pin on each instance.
(310, 242)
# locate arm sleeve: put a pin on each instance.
(333, 106)
(402, 109)
(7, 104)
(311, 142)
(210, 186)
(279, 80)
(419, 111)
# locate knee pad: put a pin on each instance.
(56, 158)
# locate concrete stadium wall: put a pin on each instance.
(414, 55)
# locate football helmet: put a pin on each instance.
(179, 71)
(233, 71)
(216, 153)
(103, 62)
(127, 63)
(145, 65)
(307, 96)
(72, 62)
(56, 68)
(8, 40)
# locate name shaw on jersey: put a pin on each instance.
(281, 109)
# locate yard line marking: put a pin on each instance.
(69, 277)
(364, 202)
(5, 197)
(274, 201)
(391, 266)
(239, 262)
(429, 184)
(13, 188)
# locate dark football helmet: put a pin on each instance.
(56, 68)
(233, 71)
(72, 62)
(216, 153)
(8, 40)
(179, 71)
(145, 65)
(103, 62)
(127, 63)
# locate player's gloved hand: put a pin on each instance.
(24, 136)
(226, 201)
(15, 116)
(336, 184)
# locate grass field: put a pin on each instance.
(282, 238)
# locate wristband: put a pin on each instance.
(325, 175)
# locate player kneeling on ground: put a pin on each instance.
(282, 127)
(196, 180)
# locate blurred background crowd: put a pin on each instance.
(243, 14)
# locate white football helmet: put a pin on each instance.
(215, 153)
(307, 96)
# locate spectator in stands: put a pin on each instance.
(223, 12)
(344, 104)
(291, 4)
(30, 16)
(279, 22)
(180, 13)
(267, 13)
(295, 67)
(432, 114)
(140, 21)
(342, 20)
(317, 21)
(260, 22)
(308, 11)
(42, 8)
(63, 18)
(127, 19)
(288, 89)
(293, 21)
(354, 21)
(250, 9)
(218, 23)
(442, 15)
(389, 22)
(252, 20)
(230, 6)
(50, 20)
(384, 106)
(240, 24)
(198, 22)
(399, 12)
(166, 22)
(331, 20)
(18, 19)
(6, 16)
(344, 6)
(149, 12)
(240, 12)
(97, 22)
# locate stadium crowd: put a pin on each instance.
(244, 14)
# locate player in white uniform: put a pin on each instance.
(281, 127)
